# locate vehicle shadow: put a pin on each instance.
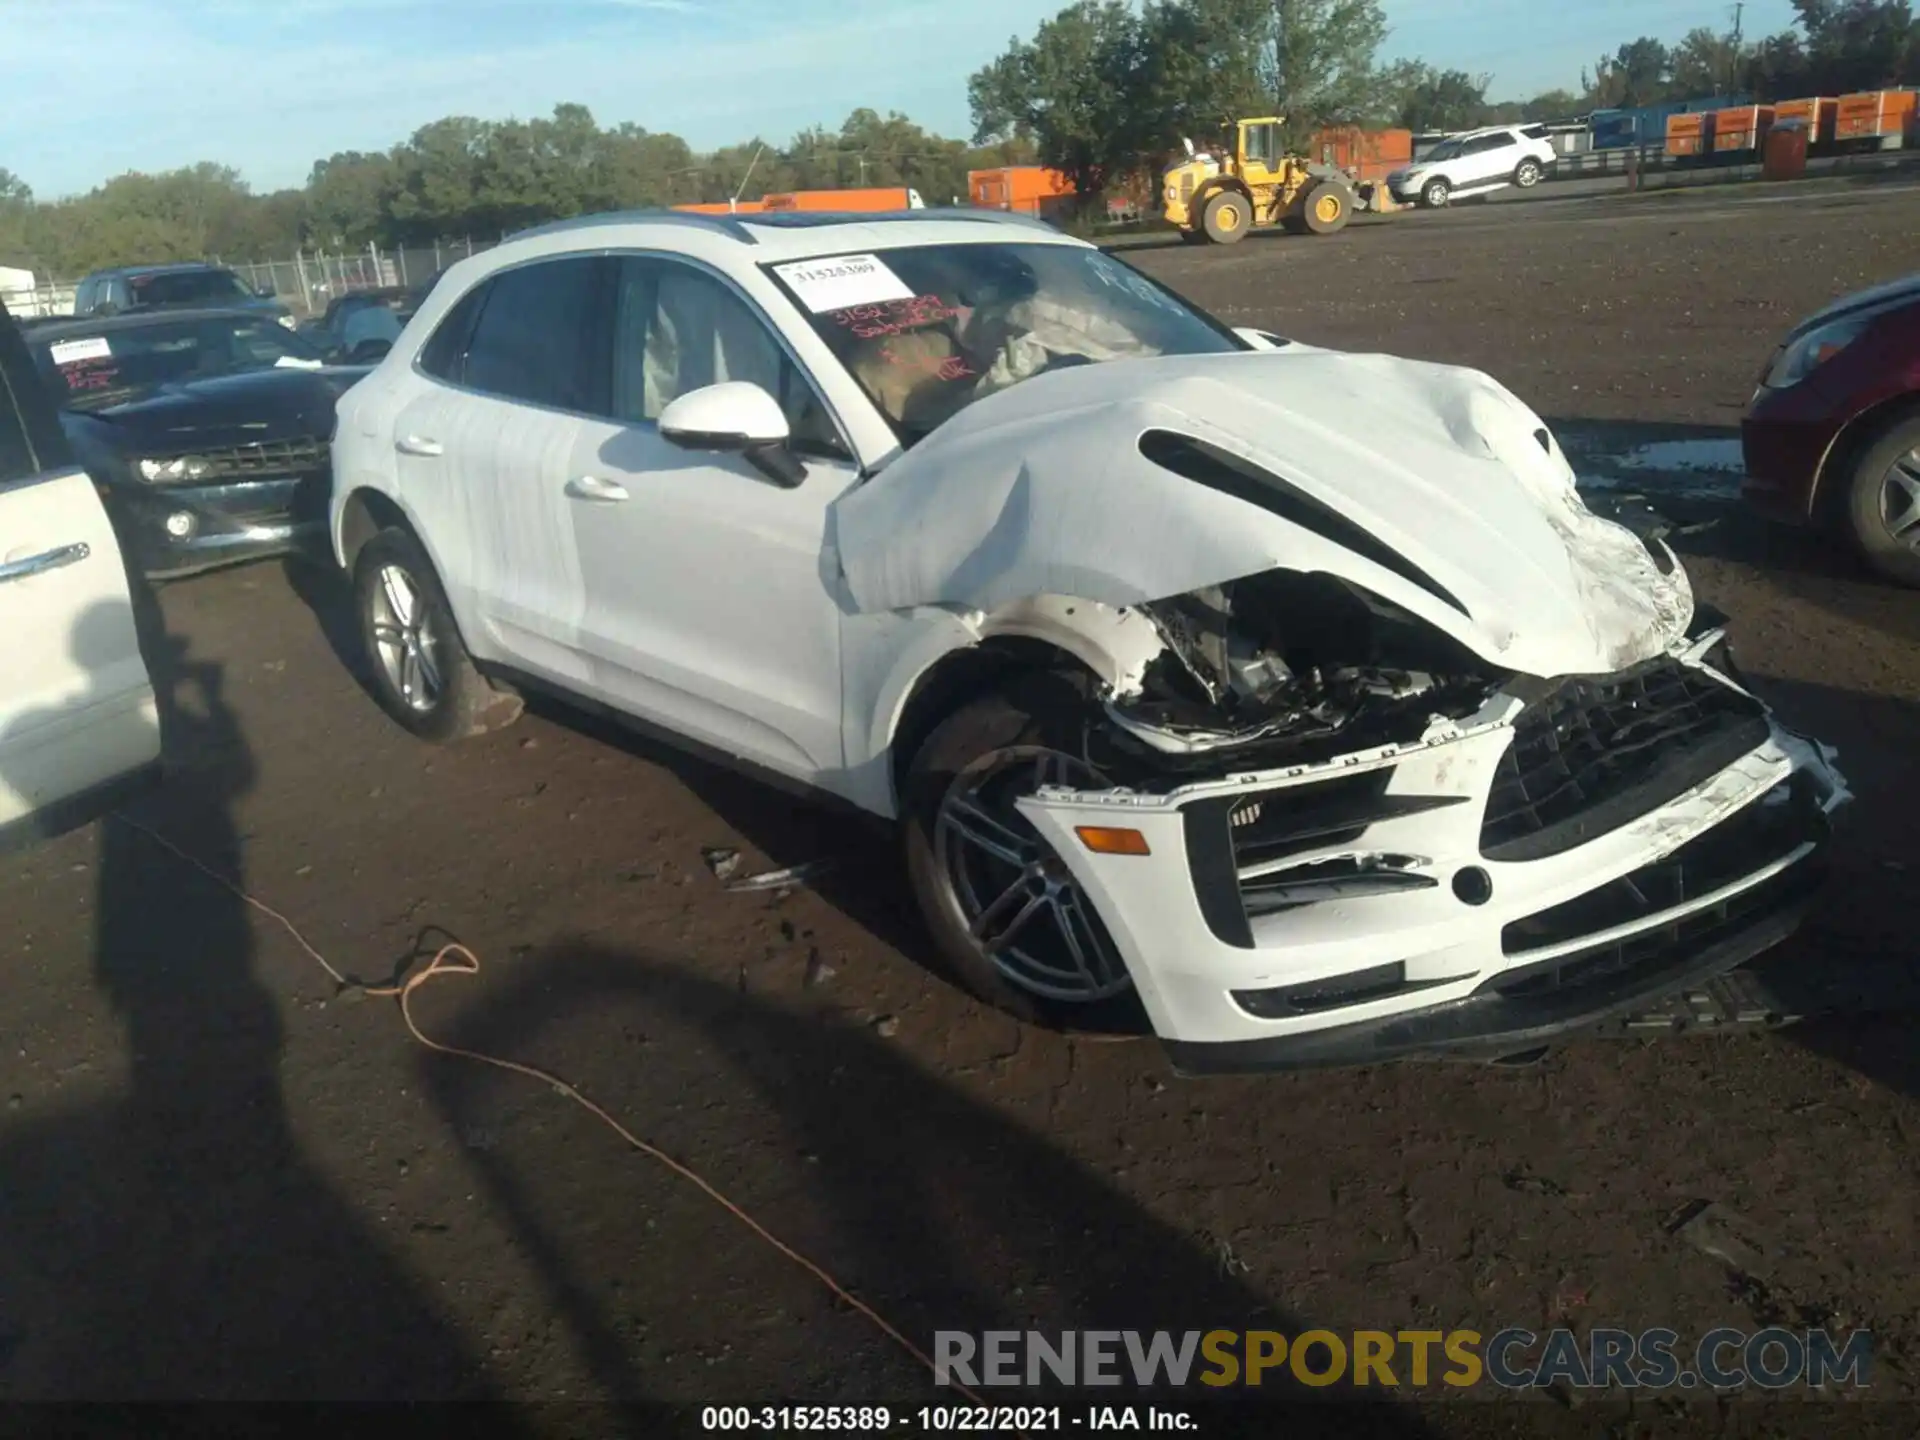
(324, 591)
(866, 880)
(941, 1213)
(171, 1241)
(1857, 960)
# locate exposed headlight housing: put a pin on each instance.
(1801, 358)
(184, 467)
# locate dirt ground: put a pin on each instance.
(221, 1179)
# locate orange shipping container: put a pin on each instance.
(890, 197)
(1742, 128)
(1818, 114)
(1690, 134)
(737, 207)
(1872, 114)
(1368, 154)
(1026, 189)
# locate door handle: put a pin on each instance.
(40, 564)
(592, 487)
(417, 445)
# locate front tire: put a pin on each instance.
(1883, 503)
(1436, 194)
(421, 672)
(1228, 217)
(1002, 908)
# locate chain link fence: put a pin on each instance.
(308, 281)
(305, 283)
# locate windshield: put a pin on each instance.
(90, 371)
(188, 287)
(927, 330)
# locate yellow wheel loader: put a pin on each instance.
(1254, 188)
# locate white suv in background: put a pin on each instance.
(1475, 163)
(1296, 693)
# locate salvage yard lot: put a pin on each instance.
(192, 1112)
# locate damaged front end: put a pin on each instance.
(1309, 664)
(1420, 756)
(1359, 842)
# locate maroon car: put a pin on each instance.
(1832, 436)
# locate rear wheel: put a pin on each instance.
(1884, 503)
(421, 671)
(1228, 217)
(1527, 174)
(1002, 907)
(1327, 207)
(1435, 194)
(1193, 237)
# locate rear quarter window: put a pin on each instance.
(30, 436)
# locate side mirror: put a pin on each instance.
(736, 417)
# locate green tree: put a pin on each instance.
(348, 199)
(1430, 99)
(1636, 74)
(1704, 63)
(1072, 91)
(1322, 70)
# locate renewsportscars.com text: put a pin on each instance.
(1515, 1359)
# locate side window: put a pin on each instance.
(534, 337)
(444, 356)
(1260, 145)
(30, 436)
(16, 455)
(678, 329)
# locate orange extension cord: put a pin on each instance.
(456, 959)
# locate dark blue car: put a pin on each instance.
(131, 289)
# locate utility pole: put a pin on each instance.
(1733, 56)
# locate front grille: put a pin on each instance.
(266, 460)
(1251, 854)
(1754, 837)
(1595, 754)
(1648, 953)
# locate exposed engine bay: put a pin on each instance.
(1283, 659)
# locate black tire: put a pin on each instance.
(1876, 492)
(1528, 173)
(1193, 237)
(1295, 225)
(1327, 207)
(1227, 217)
(981, 753)
(459, 702)
(1435, 194)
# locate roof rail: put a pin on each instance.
(725, 224)
(804, 219)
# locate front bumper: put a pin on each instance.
(1785, 438)
(1379, 907)
(174, 530)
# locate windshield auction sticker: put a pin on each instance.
(842, 282)
(72, 352)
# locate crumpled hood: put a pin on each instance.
(1465, 517)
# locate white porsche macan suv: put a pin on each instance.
(1295, 693)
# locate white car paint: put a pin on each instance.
(1043, 489)
(1474, 163)
(789, 626)
(77, 709)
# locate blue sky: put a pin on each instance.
(91, 88)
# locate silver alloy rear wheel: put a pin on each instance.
(405, 642)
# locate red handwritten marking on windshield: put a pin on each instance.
(941, 367)
(894, 317)
(88, 374)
